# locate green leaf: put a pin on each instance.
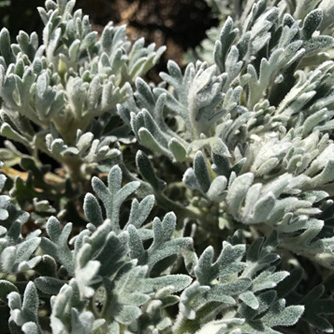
(49, 285)
(177, 149)
(316, 309)
(93, 210)
(311, 23)
(201, 172)
(250, 299)
(5, 48)
(227, 36)
(140, 211)
(279, 315)
(237, 192)
(147, 172)
(5, 288)
(30, 299)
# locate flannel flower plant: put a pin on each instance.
(202, 205)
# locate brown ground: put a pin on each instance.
(178, 24)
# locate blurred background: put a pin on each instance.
(178, 24)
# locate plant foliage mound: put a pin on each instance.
(200, 205)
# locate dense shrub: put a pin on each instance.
(200, 205)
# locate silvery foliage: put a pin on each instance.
(63, 85)
(240, 9)
(15, 251)
(256, 126)
(251, 131)
(111, 278)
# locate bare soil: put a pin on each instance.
(178, 24)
